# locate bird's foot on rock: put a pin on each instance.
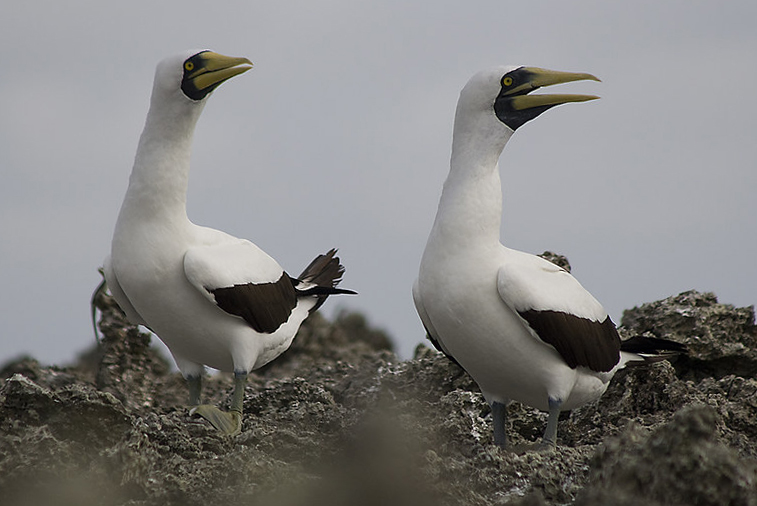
(228, 423)
(546, 447)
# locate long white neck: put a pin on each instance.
(159, 180)
(470, 208)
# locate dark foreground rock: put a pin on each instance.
(340, 420)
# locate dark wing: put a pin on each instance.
(579, 341)
(242, 280)
(560, 312)
(265, 306)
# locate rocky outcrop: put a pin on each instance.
(340, 420)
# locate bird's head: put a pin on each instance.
(197, 73)
(506, 92)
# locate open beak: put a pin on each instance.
(535, 78)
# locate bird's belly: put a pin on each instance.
(196, 330)
(189, 324)
(273, 345)
(589, 387)
(509, 364)
(493, 345)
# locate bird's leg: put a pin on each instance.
(549, 441)
(499, 419)
(229, 423)
(237, 399)
(195, 388)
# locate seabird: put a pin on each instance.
(522, 327)
(213, 299)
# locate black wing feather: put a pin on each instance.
(265, 306)
(579, 341)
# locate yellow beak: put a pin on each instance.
(216, 68)
(542, 77)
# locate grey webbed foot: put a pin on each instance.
(227, 422)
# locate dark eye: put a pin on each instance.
(189, 66)
(507, 81)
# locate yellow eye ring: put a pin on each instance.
(507, 81)
(189, 66)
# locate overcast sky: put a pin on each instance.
(340, 137)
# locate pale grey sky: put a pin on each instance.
(340, 136)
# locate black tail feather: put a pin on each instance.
(652, 349)
(644, 344)
(325, 290)
(325, 272)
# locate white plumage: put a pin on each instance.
(524, 328)
(212, 298)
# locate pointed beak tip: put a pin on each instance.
(589, 77)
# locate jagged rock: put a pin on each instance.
(52, 438)
(680, 463)
(341, 420)
(348, 339)
(721, 338)
(557, 259)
